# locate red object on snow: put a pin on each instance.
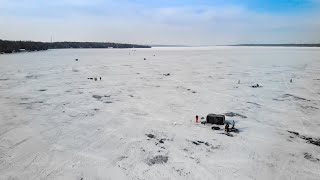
(197, 119)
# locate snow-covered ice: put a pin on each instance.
(138, 122)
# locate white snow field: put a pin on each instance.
(137, 123)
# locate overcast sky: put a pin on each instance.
(183, 22)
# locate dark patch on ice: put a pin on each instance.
(131, 95)
(254, 103)
(160, 159)
(5, 79)
(215, 128)
(310, 157)
(122, 158)
(32, 76)
(196, 143)
(42, 90)
(202, 117)
(216, 147)
(309, 107)
(295, 133)
(278, 99)
(167, 74)
(256, 86)
(31, 103)
(200, 142)
(182, 171)
(295, 97)
(97, 97)
(227, 134)
(232, 114)
(310, 140)
(103, 98)
(190, 90)
(235, 130)
(151, 136)
(161, 141)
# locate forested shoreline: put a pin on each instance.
(21, 46)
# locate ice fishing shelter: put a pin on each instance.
(216, 119)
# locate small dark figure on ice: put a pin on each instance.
(226, 128)
(256, 86)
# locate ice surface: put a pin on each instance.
(55, 123)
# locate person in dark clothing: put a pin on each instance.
(226, 128)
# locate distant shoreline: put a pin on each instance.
(278, 45)
(8, 47)
(255, 45)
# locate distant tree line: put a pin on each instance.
(63, 45)
(281, 45)
(18, 46)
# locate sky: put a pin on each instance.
(162, 22)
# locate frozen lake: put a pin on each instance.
(55, 123)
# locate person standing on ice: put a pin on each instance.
(226, 128)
